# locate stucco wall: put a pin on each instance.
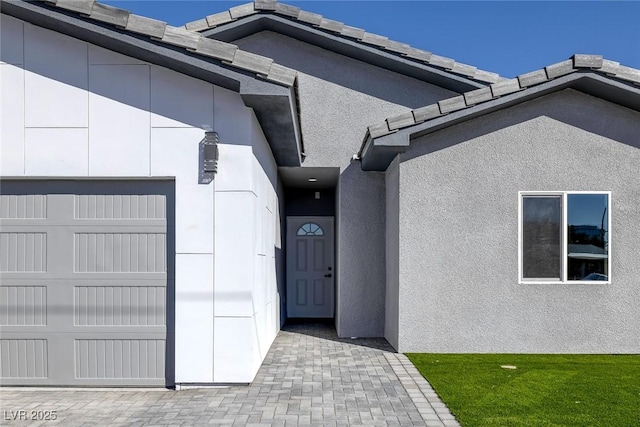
(71, 109)
(339, 98)
(361, 269)
(247, 306)
(392, 254)
(459, 187)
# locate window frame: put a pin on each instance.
(564, 239)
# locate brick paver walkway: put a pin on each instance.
(310, 377)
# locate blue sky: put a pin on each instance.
(507, 37)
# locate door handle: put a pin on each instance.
(328, 275)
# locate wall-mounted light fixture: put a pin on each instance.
(209, 156)
(211, 153)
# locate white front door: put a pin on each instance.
(310, 267)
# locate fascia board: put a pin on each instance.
(585, 81)
(275, 109)
(139, 47)
(339, 44)
(377, 157)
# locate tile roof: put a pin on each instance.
(339, 28)
(595, 63)
(229, 54)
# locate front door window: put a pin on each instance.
(310, 229)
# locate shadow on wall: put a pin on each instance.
(281, 285)
(129, 81)
(343, 70)
(361, 276)
(58, 63)
(569, 106)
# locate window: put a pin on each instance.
(564, 237)
(310, 229)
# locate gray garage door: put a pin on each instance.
(83, 283)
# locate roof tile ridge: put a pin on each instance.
(190, 40)
(400, 49)
(505, 87)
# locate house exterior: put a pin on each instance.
(169, 196)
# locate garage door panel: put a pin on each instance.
(92, 331)
(123, 206)
(21, 278)
(83, 291)
(120, 252)
(85, 226)
(29, 206)
(116, 305)
(122, 359)
(23, 251)
(23, 305)
(117, 359)
(24, 358)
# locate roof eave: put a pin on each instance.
(274, 104)
(377, 153)
(276, 110)
(257, 22)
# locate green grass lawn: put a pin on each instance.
(543, 390)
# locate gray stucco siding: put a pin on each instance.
(458, 227)
(392, 251)
(339, 98)
(361, 254)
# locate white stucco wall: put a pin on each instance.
(458, 255)
(339, 97)
(72, 109)
(247, 301)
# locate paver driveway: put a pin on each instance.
(310, 377)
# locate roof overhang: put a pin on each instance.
(274, 104)
(378, 153)
(255, 23)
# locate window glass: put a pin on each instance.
(541, 237)
(310, 229)
(587, 237)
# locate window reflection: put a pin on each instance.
(588, 237)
